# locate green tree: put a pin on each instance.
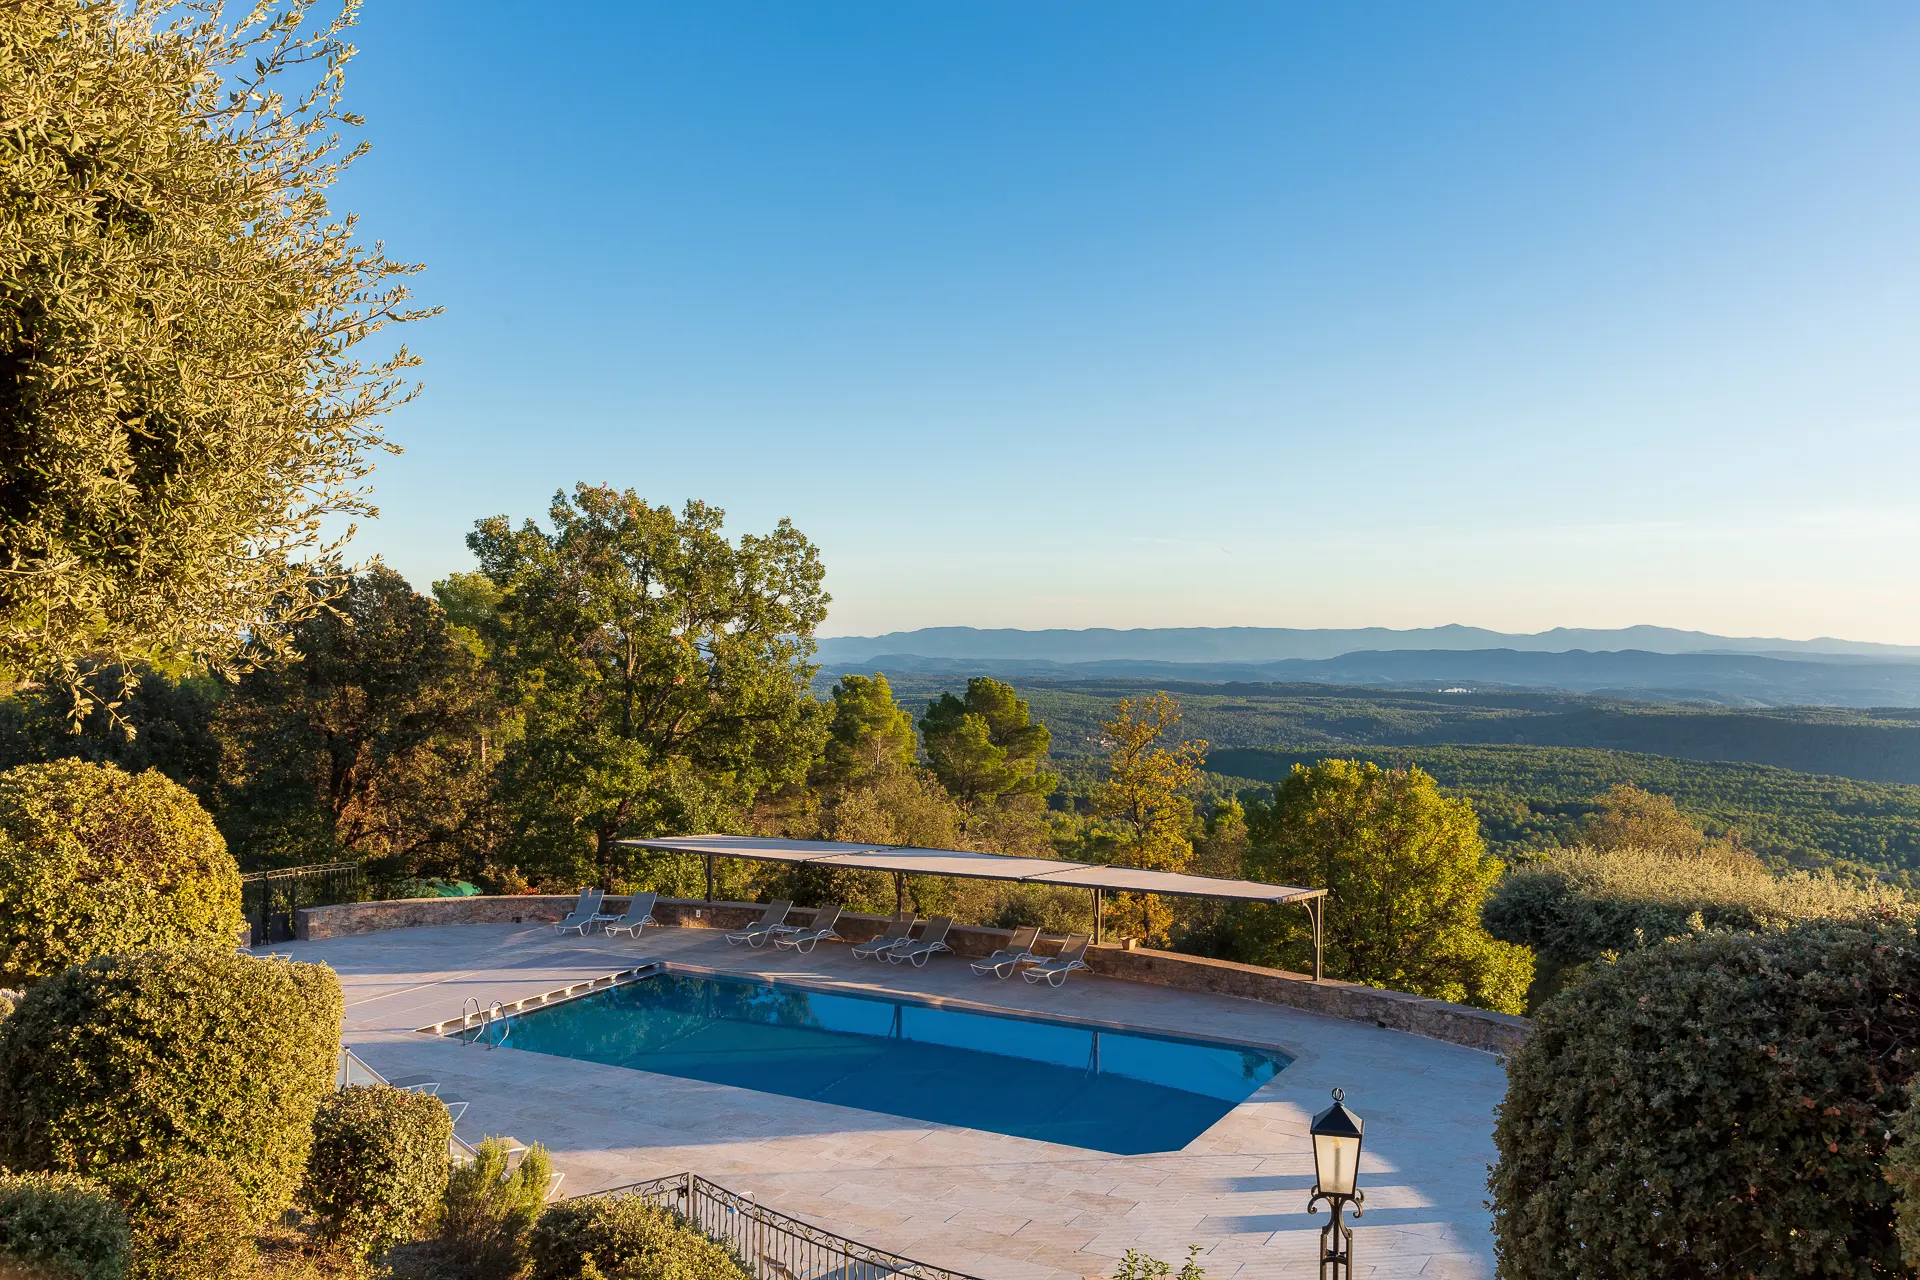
(661, 670)
(1144, 794)
(1406, 874)
(1630, 817)
(1146, 782)
(373, 743)
(986, 746)
(869, 736)
(180, 403)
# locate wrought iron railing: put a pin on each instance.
(774, 1245)
(269, 898)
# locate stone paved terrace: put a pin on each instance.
(1002, 1208)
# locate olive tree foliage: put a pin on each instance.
(1407, 874)
(181, 404)
(661, 671)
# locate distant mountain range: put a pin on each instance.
(1274, 644)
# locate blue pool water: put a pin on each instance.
(1106, 1090)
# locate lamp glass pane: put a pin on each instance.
(1336, 1162)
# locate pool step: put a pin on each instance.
(467, 1021)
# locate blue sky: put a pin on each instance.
(1108, 314)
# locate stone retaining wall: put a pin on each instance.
(1458, 1024)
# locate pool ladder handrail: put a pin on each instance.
(496, 1011)
(487, 1017)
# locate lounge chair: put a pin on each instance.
(772, 921)
(917, 950)
(638, 915)
(896, 934)
(1019, 948)
(584, 913)
(1054, 969)
(804, 940)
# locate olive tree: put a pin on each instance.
(181, 404)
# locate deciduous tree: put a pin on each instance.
(181, 404)
(1145, 795)
(661, 669)
(374, 742)
(1406, 872)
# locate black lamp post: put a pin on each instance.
(1336, 1166)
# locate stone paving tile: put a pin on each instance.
(991, 1205)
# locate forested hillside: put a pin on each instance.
(1531, 797)
(1802, 785)
(1880, 745)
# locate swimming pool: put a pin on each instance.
(1120, 1092)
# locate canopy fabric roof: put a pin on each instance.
(977, 866)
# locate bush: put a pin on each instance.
(94, 861)
(66, 1226)
(1574, 905)
(378, 1168)
(190, 1218)
(1903, 1171)
(1712, 1106)
(487, 1212)
(626, 1238)
(165, 1059)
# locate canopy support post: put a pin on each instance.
(899, 895)
(709, 878)
(1099, 903)
(1316, 908)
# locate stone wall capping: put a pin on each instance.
(1354, 1002)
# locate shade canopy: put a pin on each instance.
(902, 861)
(977, 866)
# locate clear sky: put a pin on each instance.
(1106, 314)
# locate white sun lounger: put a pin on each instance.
(638, 915)
(917, 950)
(804, 940)
(771, 922)
(1054, 969)
(895, 935)
(1018, 950)
(584, 913)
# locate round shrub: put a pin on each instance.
(166, 1056)
(190, 1219)
(62, 1225)
(628, 1238)
(1714, 1105)
(378, 1167)
(95, 861)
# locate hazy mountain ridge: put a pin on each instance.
(1272, 644)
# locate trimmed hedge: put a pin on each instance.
(1715, 1105)
(63, 1225)
(1574, 905)
(628, 1238)
(94, 861)
(163, 1057)
(378, 1167)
